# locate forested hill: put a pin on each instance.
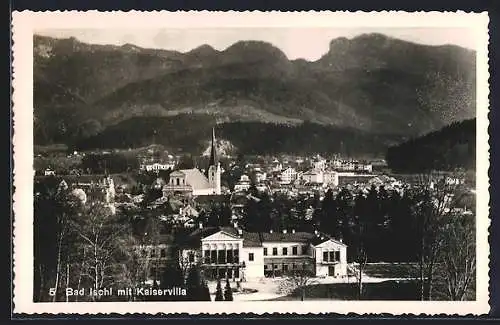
(451, 147)
(247, 137)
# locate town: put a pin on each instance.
(268, 227)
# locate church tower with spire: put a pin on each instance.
(214, 170)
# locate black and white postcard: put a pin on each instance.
(250, 162)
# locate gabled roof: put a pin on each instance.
(194, 178)
(321, 240)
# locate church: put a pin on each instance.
(192, 182)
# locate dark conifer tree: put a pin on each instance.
(228, 293)
(196, 287)
(218, 292)
(205, 292)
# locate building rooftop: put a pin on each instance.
(194, 178)
(256, 239)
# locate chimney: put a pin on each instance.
(271, 231)
(293, 231)
(240, 232)
(284, 231)
(235, 223)
(340, 240)
(200, 225)
(316, 232)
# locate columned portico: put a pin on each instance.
(221, 256)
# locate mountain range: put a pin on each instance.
(368, 87)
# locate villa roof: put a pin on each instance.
(255, 239)
(301, 237)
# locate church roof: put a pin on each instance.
(195, 178)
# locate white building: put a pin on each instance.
(313, 176)
(236, 254)
(49, 172)
(331, 178)
(243, 184)
(260, 177)
(193, 181)
(156, 167)
(319, 164)
(288, 176)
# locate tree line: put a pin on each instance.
(452, 147)
(422, 226)
(84, 246)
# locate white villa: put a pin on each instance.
(236, 254)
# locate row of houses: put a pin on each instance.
(291, 176)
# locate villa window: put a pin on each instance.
(152, 252)
(163, 253)
(250, 257)
(275, 266)
(285, 251)
(325, 256)
(221, 256)
(265, 251)
(275, 251)
(294, 250)
(304, 249)
(178, 181)
(213, 256)
(207, 256)
(236, 258)
(191, 257)
(332, 256)
(337, 256)
(229, 256)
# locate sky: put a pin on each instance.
(305, 43)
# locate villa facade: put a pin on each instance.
(230, 252)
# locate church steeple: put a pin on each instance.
(213, 151)
(214, 170)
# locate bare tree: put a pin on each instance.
(105, 245)
(66, 207)
(361, 260)
(435, 198)
(458, 256)
(187, 260)
(297, 280)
